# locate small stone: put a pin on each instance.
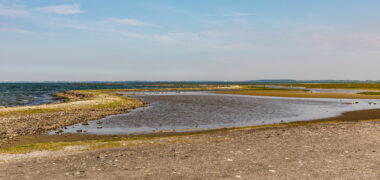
(99, 127)
(85, 123)
(79, 130)
(99, 122)
(272, 171)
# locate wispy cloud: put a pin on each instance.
(214, 33)
(240, 14)
(192, 40)
(7, 11)
(129, 34)
(62, 9)
(15, 30)
(26, 32)
(67, 24)
(129, 22)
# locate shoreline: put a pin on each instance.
(81, 106)
(345, 117)
(348, 150)
(345, 146)
(33, 125)
(299, 94)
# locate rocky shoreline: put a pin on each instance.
(81, 107)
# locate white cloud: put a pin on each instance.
(6, 11)
(62, 9)
(15, 30)
(130, 22)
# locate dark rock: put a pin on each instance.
(85, 123)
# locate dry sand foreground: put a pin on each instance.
(349, 150)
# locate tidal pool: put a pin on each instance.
(179, 111)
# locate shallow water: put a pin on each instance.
(193, 110)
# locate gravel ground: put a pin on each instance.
(349, 150)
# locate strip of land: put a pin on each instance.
(359, 86)
(81, 106)
(299, 94)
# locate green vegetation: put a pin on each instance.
(264, 88)
(85, 145)
(370, 86)
(370, 93)
(74, 100)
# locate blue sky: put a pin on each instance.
(189, 40)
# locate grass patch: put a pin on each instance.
(338, 85)
(370, 93)
(263, 88)
(56, 146)
(75, 100)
